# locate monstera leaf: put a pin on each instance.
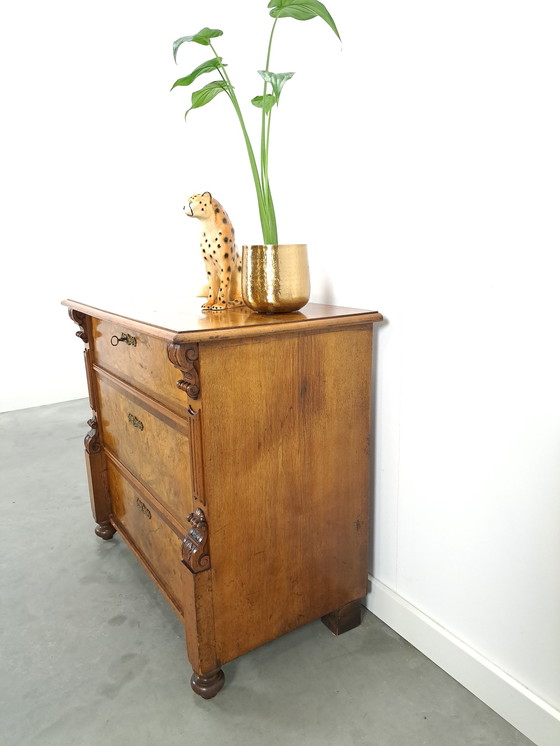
(302, 10)
(276, 80)
(203, 37)
(206, 67)
(269, 101)
(206, 94)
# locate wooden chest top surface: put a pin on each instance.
(186, 322)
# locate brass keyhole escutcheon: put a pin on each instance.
(128, 338)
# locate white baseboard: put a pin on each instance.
(527, 712)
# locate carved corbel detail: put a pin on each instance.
(195, 545)
(92, 442)
(79, 318)
(184, 357)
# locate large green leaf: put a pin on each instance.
(269, 101)
(203, 37)
(276, 80)
(206, 94)
(302, 10)
(206, 67)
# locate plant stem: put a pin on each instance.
(265, 139)
(268, 226)
(264, 143)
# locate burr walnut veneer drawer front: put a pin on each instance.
(138, 359)
(156, 452)
(157, 543)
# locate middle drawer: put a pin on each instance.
(157, 453)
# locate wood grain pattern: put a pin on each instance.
(199, 621)
(176, 421)
(144, 365)
(157, 454)
(289, 518)
(175, 525)
(160, 547)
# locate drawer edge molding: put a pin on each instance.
(167, 517)
(151, 405)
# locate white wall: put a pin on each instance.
(421, 163)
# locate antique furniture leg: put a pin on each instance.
(344, 619)
(98, 492)
(95, 458)
(207, 678)
(209, 684)
(105, 530)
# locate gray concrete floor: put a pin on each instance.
(92, 655)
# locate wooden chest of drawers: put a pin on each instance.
(230, 451)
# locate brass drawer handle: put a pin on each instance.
(135, 422)
(128, 338)
(143, 507)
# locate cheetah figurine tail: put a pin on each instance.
(223, 265)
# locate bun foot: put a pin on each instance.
(105, 530)
(207, 685)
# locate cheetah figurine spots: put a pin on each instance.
(223, 265)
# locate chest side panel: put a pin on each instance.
(285, 442)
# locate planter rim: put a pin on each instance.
(274, 245)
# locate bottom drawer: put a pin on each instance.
(158, 545)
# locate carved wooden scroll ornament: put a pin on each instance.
(195, 550)
(79, 319)
(184, 356)
(92, 443)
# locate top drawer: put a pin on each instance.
(143, 363)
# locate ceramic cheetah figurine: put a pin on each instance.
(223, 265)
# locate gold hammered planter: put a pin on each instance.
(275, 277)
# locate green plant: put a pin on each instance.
(301, 10)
